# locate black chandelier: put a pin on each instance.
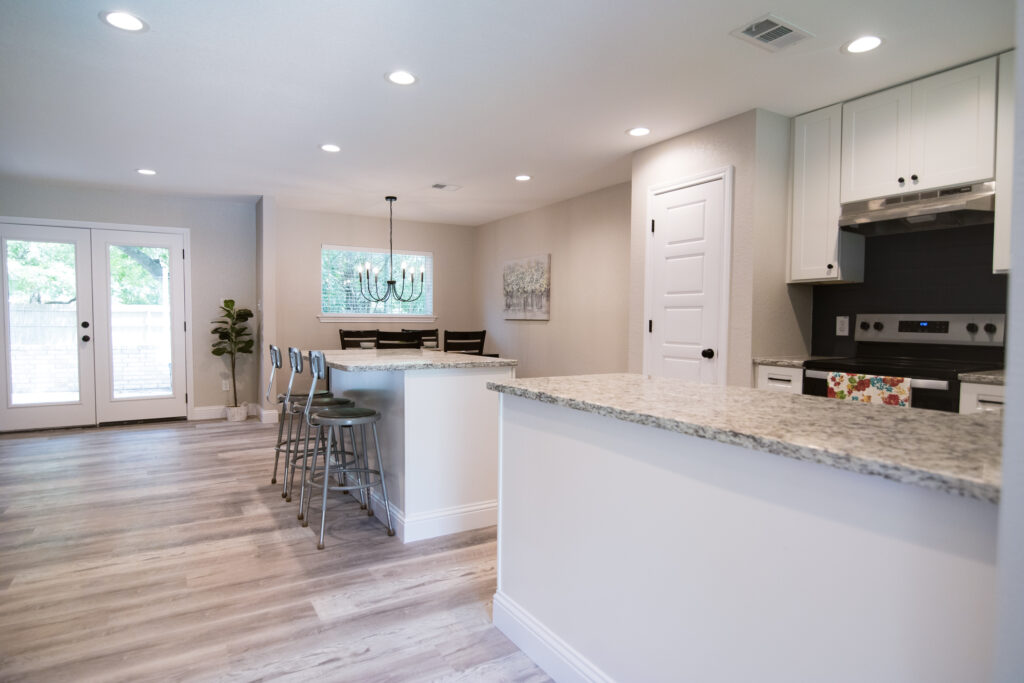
(373, 292)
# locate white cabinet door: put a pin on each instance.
(876, 144)
(786, 380)
(953, 127)
(935, 132)
(981, 398)
(819, 250)
(1004, 165)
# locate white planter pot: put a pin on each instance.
(238, 413)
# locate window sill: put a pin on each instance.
(333, 319)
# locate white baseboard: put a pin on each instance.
(558, 659)
(206, 413)
(264, 414)
(438, 522)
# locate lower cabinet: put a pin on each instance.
(981, 398)
(774, 378)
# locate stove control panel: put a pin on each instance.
(931, 328)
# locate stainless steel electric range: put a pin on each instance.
(933, 350)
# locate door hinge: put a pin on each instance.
(186, 326)
(186, 397)
(182, 253)
(650, 326)
(652, 225)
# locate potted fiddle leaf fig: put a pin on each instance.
(233, 338)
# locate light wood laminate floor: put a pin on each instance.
(162, 552)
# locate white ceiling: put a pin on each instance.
(234, 97)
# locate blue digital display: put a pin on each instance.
(924, 324)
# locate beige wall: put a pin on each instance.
(223, 239)
(299, 236)
(588, 239)
(756, 145)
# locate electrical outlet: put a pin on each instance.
(225, 384)
(842, 326)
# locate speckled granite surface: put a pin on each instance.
(958, 454)
(988, 377)
(366, 360)
(786, 361)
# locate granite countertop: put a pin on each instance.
(949, 452)
(986, 377)
(786, 361)
(366, 360)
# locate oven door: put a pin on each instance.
(933, 394)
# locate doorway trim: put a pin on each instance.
(725, 174)
(185, 235)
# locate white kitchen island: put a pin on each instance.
(438, 433)
(677, 532)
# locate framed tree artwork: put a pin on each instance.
(527, 288)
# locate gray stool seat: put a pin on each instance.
(320, 392)
(344, 416)
(299, 402)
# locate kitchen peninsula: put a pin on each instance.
(693, 532)
(438, 433)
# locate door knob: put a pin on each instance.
(708, 353)
(85, 337)
(85, 323)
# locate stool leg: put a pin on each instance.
(383, 484)
(365, 466)
(287, 455)
(277, 448)
(293, 457)
(327, 474)
(312, 476)
(302, 480)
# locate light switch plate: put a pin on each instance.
(225, 385)
(842, 326)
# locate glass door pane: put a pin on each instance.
(140, 321)
(42, 322)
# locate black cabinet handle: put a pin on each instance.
(830, 266)
(85, 323)
(914, 177)
(85, 337)
(901, 180)
(708, 353)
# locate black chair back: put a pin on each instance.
(354, 339)
(398, 340)
(425, 336)
(465, 342)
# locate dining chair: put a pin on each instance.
(398, 340)
(427, 337)
(354, 339)
(465, 342)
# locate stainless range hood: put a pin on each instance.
(952, 207)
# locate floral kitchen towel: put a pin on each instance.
(892, 391)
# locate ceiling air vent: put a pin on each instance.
(770, 33)
(446, 187)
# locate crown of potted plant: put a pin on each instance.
(233, 338)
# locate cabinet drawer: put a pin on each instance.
(981, 398)
(789, 380)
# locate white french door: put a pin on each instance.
(93, 326)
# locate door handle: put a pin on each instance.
(85, 337)
(708, 353)
(85, 323)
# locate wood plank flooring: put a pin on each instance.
(162, 552)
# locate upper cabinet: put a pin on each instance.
(931, 133)
(820, 252)
(1004, 166)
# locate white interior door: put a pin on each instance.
(138, 280)
(47, 373)
(688, 275)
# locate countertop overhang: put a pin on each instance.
(959, 454)
(368, 360)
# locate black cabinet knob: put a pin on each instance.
(879, 326)
(914, 177)
(85, 337)
(708, 353)
(972, 327)
(990, 328)
(830, 266)
(900, 180)
(865, 325)
(85, 323)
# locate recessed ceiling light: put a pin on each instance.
(123, 21)
(638, 131)
(522, 178)
(401, 78)
(330, 148)
(863, 44)
(145, 171)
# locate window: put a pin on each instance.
(339, 282)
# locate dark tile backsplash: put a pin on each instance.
(937, 271)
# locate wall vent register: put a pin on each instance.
(770, 33)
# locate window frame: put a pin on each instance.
(376, 317)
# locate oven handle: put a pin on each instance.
(940, 384)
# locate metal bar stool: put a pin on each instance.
(327, 422)
(282, 400)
